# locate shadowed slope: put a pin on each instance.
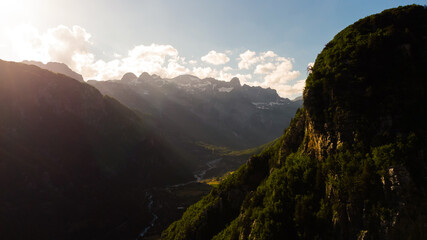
(73, 164)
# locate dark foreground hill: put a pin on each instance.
(73, 163)
(57, 68)
(352, 164)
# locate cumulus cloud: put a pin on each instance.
(59, 44)
(291, 90)
(282, 73)
(72, 46)
(227, 69)
(264, 68)
(204, 72)
(268, 54)
(244, 78)
(276, 72)
(247, 59)
(215, 58)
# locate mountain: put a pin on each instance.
(205, 110)
(298, 98)
(58, 68)
(352, 163)
(74, 164)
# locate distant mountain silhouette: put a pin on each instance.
(299, 98)
(129, 77)
(58, 68)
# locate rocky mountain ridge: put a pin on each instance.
(212, 111)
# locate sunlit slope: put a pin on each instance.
(352, 163)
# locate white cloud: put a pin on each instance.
(215, 58)
(174, 68)
(291, 90)
(204, 72)
(247, 59)
(282, 74)
(264, 68)
(227, 69)
(153, 52)
(268, 54)
(72, 46)
(244, 78)
(59, 44)
(277, 71)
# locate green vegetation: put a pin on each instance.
(368, 83)
(352, 163)
(225, 151)
(207, 217)
(216, 180)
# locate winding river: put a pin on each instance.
(150, 210)
(198, 175)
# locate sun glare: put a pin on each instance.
(14, 12)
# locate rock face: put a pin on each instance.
(129, 77)
(58, 68)
(74, 164)
(352, 163)
(235, 82)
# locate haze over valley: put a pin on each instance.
(212, 120)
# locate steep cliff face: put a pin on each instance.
(352, 163)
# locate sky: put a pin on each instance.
(264, 43)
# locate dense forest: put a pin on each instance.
(352, 164)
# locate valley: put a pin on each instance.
(138, 160)
(119, 136)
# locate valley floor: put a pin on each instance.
(169, 203)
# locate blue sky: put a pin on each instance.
(112, 34)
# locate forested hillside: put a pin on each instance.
(352, 164)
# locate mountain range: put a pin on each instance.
(70, 151)
(205, 110)
(192, 113)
